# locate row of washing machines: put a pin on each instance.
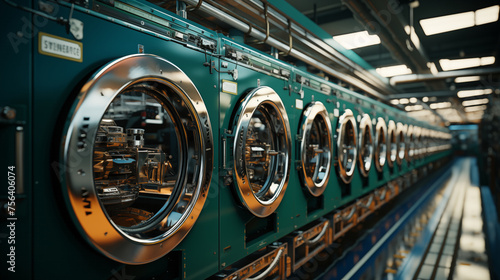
(144, 145)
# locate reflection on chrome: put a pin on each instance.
(380, 144)
(315, 144)
(392, 142)
(365, 142)
(346, 146)
(262, 151)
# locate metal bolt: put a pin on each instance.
(8, 113)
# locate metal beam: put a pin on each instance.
(355, 75)
(415, 78)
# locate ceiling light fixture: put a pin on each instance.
(440, 105)
(475, 102)
(357, 40)
(475, 108)
(432, 67)
(395, 70)
(467, 79)
(452, 22)
(473, 92)
(413, 36)
(454, 64)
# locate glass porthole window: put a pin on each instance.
(365, 145)
(262, 151)
(380, 144)
(401, 140)
(347, 146)
(410, 143)
(139, 157)
(315, 143)
(392, 143)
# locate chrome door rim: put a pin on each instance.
(392, 143)
(96, 95)
(277, 182)
(401, 137)
(345, 121)
(365, 162)
(380, 144)
(322, 155)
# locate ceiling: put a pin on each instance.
(387, 18)
(425, 94)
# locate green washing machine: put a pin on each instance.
(115, 140)
(256, 171)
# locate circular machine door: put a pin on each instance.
(315, 148)
(380, 144)
(346, 146)
(262, 151)
(401, 134)
(365, 145)
(418, 140)
(139, 156)
(392, 143)
(410, 143)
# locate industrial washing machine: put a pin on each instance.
(114, 142)
(256, 129)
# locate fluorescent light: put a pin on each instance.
(475, 102)
(413, 36)
(432, 67)
(404, 101)
(488, 60)
(475, 115)
(395, 101)
(395, 70)
(454, 64)
(487, 15)
(458, 21)
(413, 100)
(425, 99)
(357, 40)
(440, 105)
(414, 108)
(475, 108)
(467, 79)
(474, 92)
(447, 23)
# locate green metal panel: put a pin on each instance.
(55, 82)
(16, 31)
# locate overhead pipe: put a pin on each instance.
(322, 47)
(246, 28)
(414, 78)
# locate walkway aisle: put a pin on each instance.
(457, 249)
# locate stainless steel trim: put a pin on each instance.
(392, 143)
(410, 144)
(315, 154)
(122, 244)
(262, 198)
(346, 145)
(401, 130)
(365, 145)
(380, 144)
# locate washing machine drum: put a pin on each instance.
(138, 153)
(261, 151)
